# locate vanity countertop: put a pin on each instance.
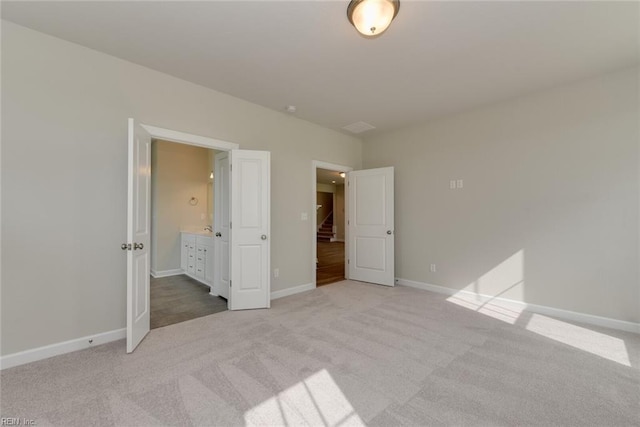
(197, 231)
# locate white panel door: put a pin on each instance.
(370, 226)
(250, 285)
(222, 212)
(138, 235)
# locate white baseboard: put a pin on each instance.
(166, 273)
(589, 319)
(292, 291)
(40, 353)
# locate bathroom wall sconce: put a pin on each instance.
(211, 176)
(342, 174)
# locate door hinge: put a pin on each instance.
(230, 224)
(348, 261)
(229, 283)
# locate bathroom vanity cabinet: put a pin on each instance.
(197, 256)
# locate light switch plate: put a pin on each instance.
(304, 216)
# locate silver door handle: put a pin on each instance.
(389, 232)
(138, 246)
(218, 234)
(263, 237)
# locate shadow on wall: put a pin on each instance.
(490, 294)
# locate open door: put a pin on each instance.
(250, 285)
(221, 226)
(371, 226)
(138, 235)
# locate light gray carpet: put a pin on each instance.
(345, 354)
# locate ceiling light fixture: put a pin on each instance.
(372, 17)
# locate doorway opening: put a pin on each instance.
(243, 192)
(182, 246)
(329, 223)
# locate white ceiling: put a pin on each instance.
(436, 58)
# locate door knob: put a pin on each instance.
(263, 237)
(218, 234)
(138, 246)
(389, 232)
(125, 246)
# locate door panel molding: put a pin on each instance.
(371, 226)
(221, 226)
(138, 232)
(250, 284)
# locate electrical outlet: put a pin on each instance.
(276, 273)
(460, 183)
(452, 184)
(432, 267)
(304, 216)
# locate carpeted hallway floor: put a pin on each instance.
(344, 354)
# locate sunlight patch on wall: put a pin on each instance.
(602, 345)
(505, 280)
(317, 400)
(499, 293)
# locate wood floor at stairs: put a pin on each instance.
(330, 262)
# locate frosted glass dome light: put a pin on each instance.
(372, 17)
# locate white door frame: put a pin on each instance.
(317, 164)
(189, 139)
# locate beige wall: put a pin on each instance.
(64, 179)
(549, 209)
(179, 172)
